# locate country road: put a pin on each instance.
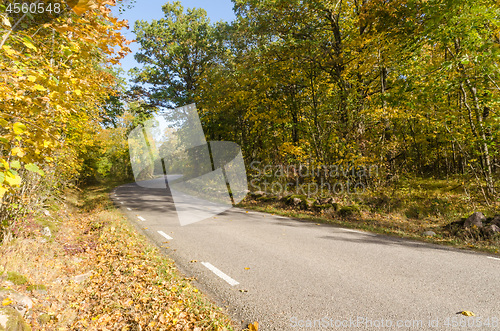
(289, 274)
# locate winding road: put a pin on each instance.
(289, 274)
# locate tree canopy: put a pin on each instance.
(409, 85)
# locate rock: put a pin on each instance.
(324, 201)
(493, 228)
(257, 194)
(60, 280)
(476, 219)
(350, 211)
(496, 220)
(319, 207)
(81, 278)
(12, 320)
(429, 233)
(297, 201)
(310, 203)
(39, 293)
(46, 232)
(265, 198)
(20, 302)
(336, 206)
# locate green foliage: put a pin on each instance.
(16, 278)
(349, 211)
(175, 51)
(39, 287)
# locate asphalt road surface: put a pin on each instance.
(289, 274)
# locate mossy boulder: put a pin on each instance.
(266, 198)
(12, 320)
(476, 227)
(297, 200)
(350, 211)
(320, 207)
(256, 194)
(324, 201)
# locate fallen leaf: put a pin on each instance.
(6, 302)
(247, 268)
(253, 326)
(466, 313)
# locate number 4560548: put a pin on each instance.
(33, 8)
(472, 322)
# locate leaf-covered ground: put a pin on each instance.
(95, 273)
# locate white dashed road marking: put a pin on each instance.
(493, 258)
(165, 235)
(141, 218)
(219, 273)
(129, 209)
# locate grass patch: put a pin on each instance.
(39, 287)
(16, 278)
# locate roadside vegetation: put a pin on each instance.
(68, 259)
(433, 215)
(92, 271)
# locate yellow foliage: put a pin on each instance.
(253, 326)
(467, 313)
(50, 99)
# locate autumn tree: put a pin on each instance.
(54, 76)
(409, 85)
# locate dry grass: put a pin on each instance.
(130, 285)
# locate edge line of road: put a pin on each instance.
(166, 236)
(219, 273)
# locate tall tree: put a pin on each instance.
(175, 52)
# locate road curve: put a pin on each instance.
(289, 274)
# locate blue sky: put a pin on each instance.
(151, 9)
